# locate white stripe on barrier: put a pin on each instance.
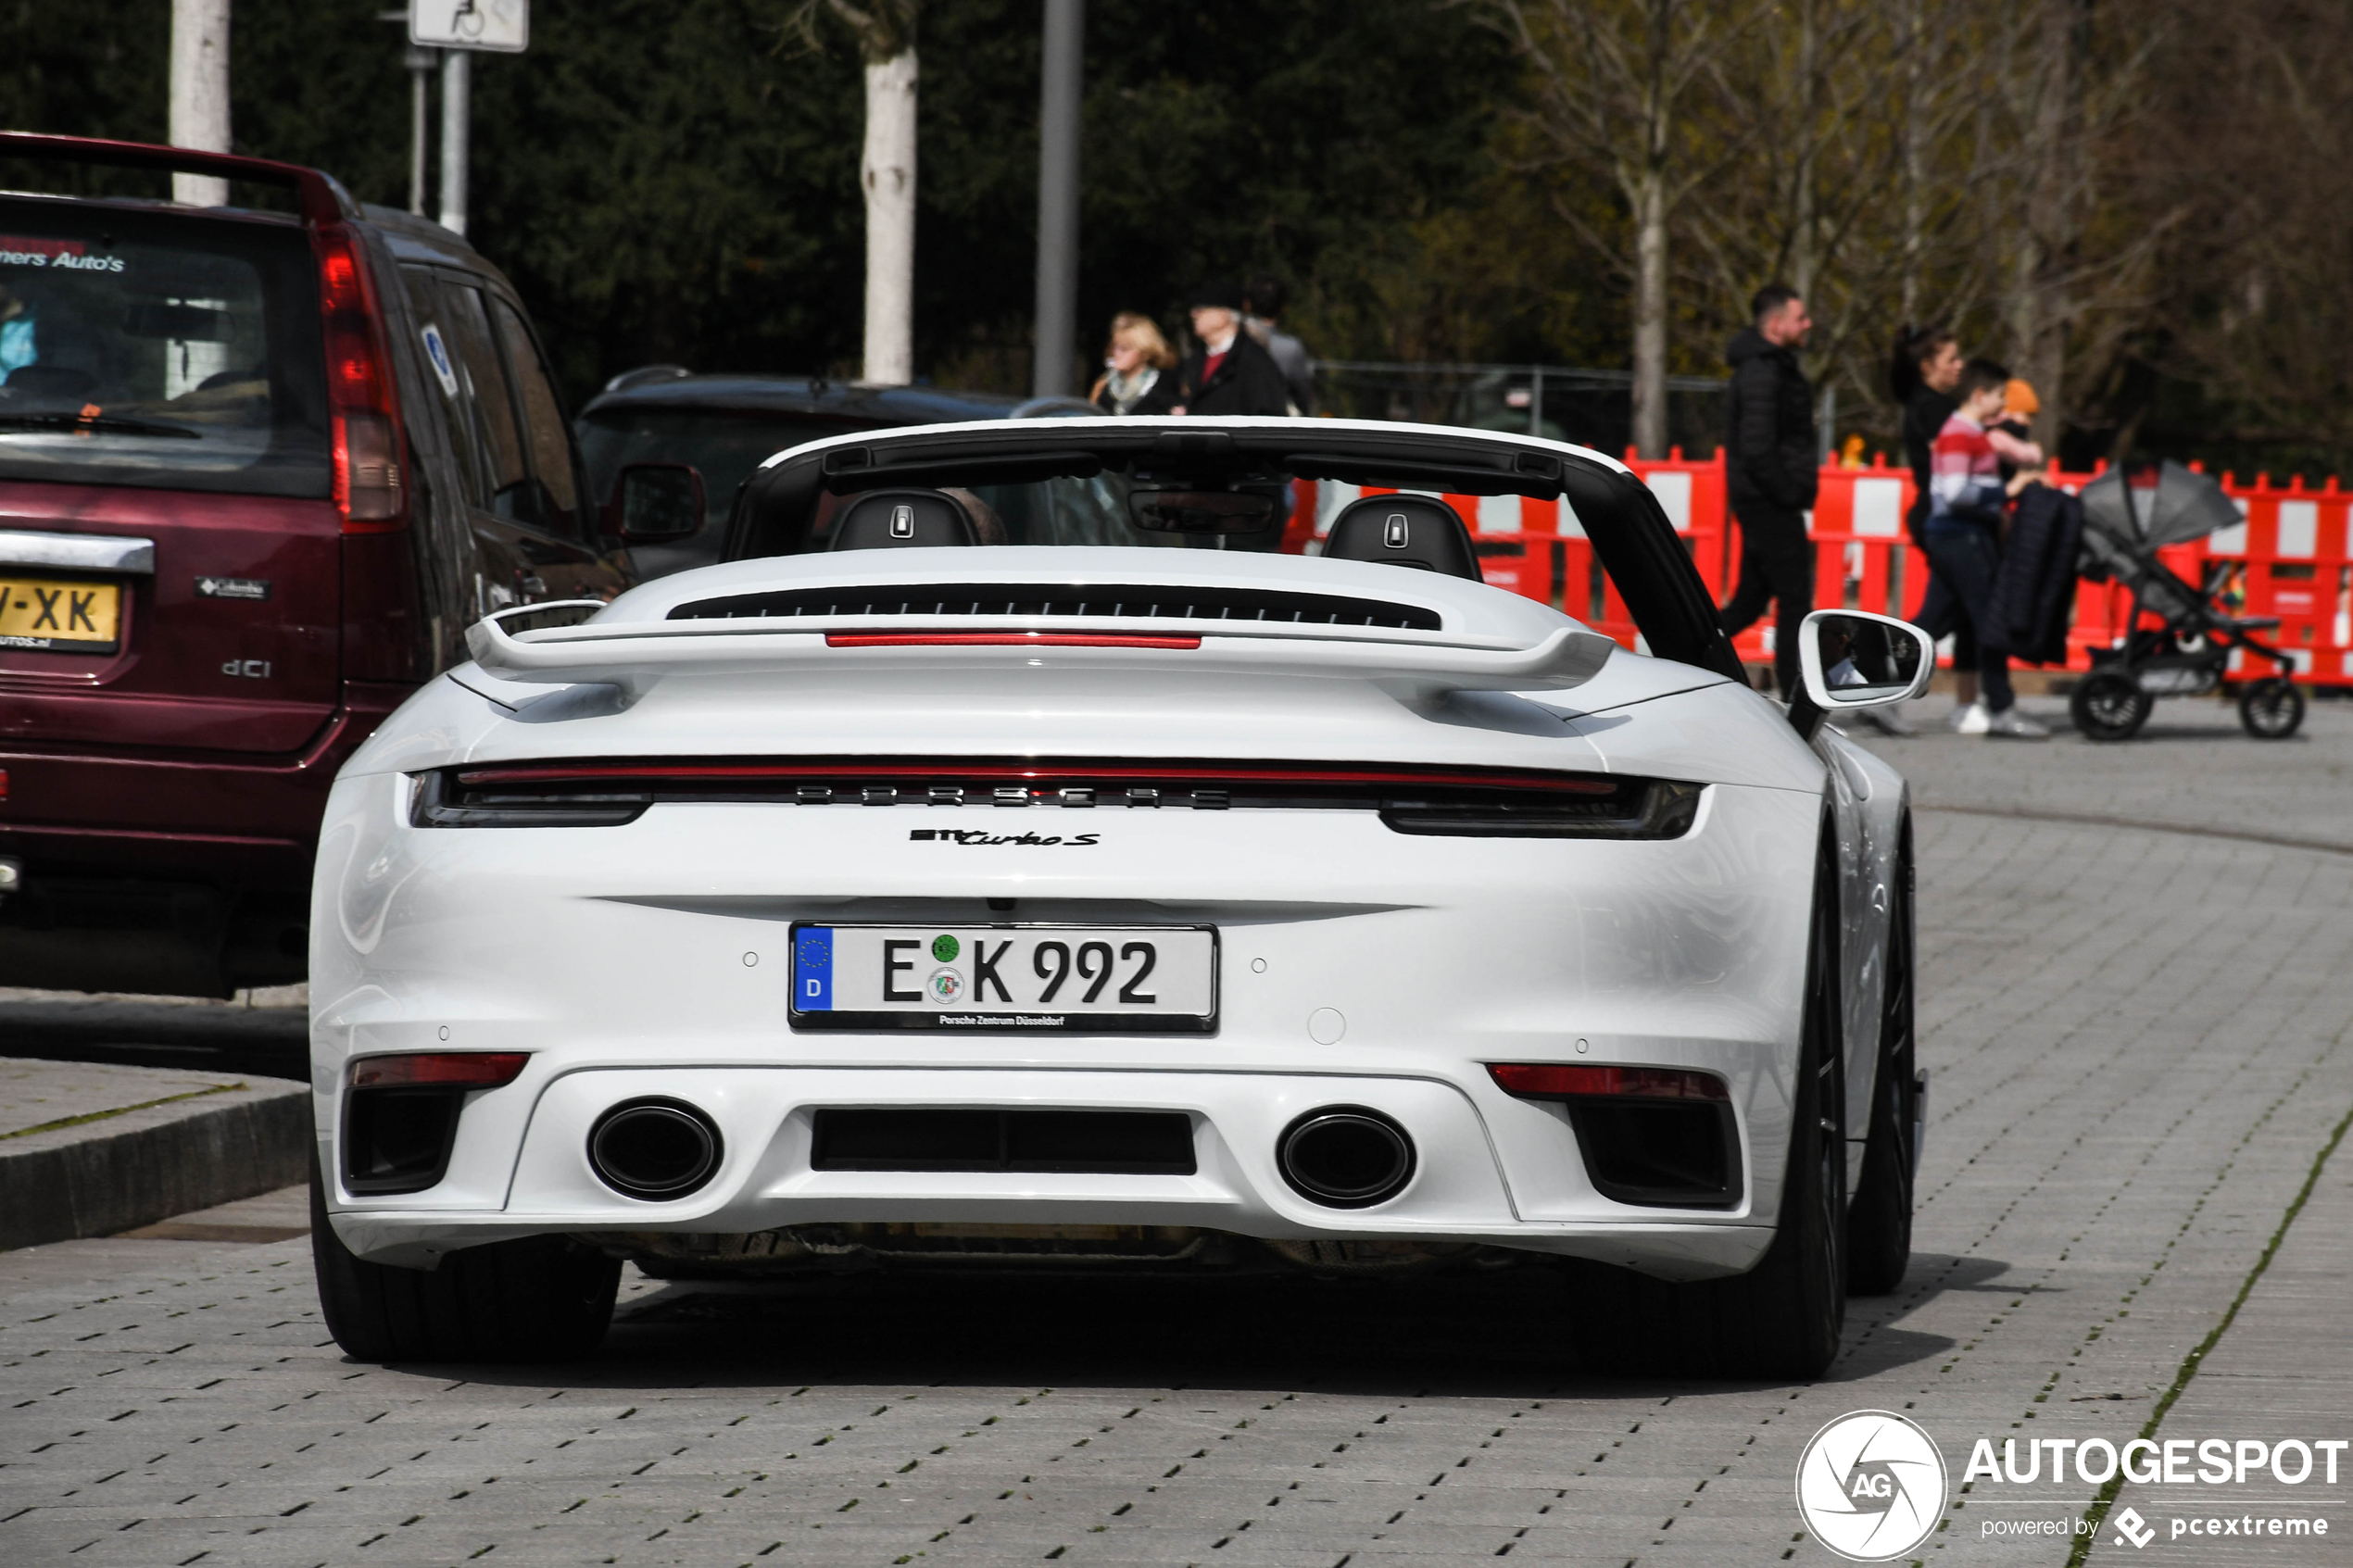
(1879, 508)
(1674, 493)
(1498, 514)
(2299, 529)
(2230, 541)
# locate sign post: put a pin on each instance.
(459, 28)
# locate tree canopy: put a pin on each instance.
(2129, 204)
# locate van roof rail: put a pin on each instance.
(321, 197)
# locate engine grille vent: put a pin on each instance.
(1108, 601)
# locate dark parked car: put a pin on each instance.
(261, 466)
(723, 427)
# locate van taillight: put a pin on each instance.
(360, 393)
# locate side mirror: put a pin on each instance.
(1853, 658)
(656, 503)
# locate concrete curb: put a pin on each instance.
(130, 1170)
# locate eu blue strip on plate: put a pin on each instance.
(812, 968)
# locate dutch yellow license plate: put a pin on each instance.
(48, 614)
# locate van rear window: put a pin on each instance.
(159, 349)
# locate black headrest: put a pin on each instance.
(1419, 531)
(883, 519)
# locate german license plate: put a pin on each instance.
(50, 615)
(1087, 978)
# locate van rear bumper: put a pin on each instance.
(171, 871)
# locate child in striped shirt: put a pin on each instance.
(1965, 461)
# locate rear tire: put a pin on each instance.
(2271, 708)
(1783, 1320)
(2109, 705)
(540, 1299)
(1879, 1221)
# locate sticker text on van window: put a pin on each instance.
(72, 256)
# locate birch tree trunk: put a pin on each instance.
(1650, 315)
(1804, 220)
(200, 93)
(1915, 135)
(2039, 305)
(887, 172)
(1657, 72)
(1634, 88)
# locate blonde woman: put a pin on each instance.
(1136, 366)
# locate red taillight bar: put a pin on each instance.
(1276, 773)
(1002, 639)
(1537, 1080)
(361, 406)
(467, 1069)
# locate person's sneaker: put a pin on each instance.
(2016, 725)
(1887, 722)
(1971, 721)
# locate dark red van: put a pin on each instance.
(260, 467)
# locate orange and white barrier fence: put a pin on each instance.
(2291, 558)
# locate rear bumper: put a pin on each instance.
(1469, 1146)
(168, 871)
(223, 819)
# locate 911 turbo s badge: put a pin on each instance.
(977, 835)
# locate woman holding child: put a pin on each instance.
(1974, 467)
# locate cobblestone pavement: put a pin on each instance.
(2138, 1043)
(2192, 765)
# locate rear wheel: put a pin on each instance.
(1782, 1319)
(2109, 705)
(1879, 1221)
(541, 1298)
(2271, 708)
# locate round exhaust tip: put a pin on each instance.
(654, 1149)
(1345, 1157)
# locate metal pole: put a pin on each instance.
(1058, 115)
(1536, 401)
(457, 84)
(199, 88)
(421, 70)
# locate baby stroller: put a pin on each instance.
(2190, 655)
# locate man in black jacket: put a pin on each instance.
(1770, 470)
(1226, 372)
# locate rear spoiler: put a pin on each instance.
(633, 655)
(320, 197)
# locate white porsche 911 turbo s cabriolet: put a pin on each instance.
(1002, 859)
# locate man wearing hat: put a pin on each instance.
(1228, 372)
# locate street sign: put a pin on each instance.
(503, 26)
